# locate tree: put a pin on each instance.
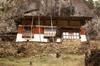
(91, 2)
(97, 5)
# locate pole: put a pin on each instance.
(32, 27)
(52, 29)
(39, 27)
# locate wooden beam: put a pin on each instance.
(49, 26)
(59, 17)
(7, 35)
(68, 26)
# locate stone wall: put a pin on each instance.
(27, 49)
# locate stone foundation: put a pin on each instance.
(27, 49)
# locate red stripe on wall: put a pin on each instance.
(20, 29)
(36, 30)
(82, 31)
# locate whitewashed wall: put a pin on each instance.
(37, 38)
(83, 38)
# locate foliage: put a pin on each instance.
(91, 2)
(66, 58)
(4, 8)
(45, 60)
(97, 5)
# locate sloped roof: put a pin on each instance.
(58, 17)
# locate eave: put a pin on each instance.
(56, 17)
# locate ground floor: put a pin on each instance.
(48, 34)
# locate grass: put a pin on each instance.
(45, 60)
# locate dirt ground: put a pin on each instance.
(45, 60)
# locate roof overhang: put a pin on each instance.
(57, 17)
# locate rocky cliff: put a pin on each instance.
(27, 49)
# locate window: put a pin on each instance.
(50, 32)
(70, 35)
(27, 31)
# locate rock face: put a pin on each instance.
(57, 8)
(7, 25)
(27, 49)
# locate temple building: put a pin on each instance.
(51, 28)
